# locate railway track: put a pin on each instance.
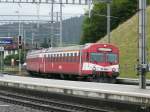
(46, 104)
(130, 81)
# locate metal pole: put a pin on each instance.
(60, 44)
(32, 40)
(19, 61)
(57, 15)
(1, 61)
(51, 42)
(89, 7)
(24, 37)
(18, 42)
(142, 44)
(24, 47)
(2, 58)
(57, 34)
(52, 10)
(38, 13)
(108, 21)
(19, 24)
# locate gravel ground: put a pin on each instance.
(6, 107)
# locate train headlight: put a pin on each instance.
(114, 69)
(94, 68)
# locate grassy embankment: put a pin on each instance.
(126, 38)
(13, 70)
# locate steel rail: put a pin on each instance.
(130, 81)
(45, 104)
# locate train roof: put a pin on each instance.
(64, 49)
(67, 48)
(57, 49)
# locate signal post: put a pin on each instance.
(19, 47)
(143, 66)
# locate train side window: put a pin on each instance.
(75, 57)
(60, 55)
(53, 57)
(49, 57)
(57, 58)
(44, 56)
(67, 58)
(71, 57)
(64, 57)
(87, 57)
(79, 54)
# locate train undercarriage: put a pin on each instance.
(102, 78)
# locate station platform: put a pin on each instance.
(111, 92)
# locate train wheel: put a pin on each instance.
(102, 79)
(107, 80)
(112, 80)
(66, 77)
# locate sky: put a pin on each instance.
(44, 9)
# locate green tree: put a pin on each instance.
(7, 60)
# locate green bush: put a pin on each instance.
(7, 60)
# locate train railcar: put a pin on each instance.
(94, 62)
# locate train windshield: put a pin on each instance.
(97, 57)
(112, 58)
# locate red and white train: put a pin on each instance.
(94, 61)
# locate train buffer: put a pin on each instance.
(112, 92)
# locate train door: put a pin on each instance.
(80, 62)
(42, 63)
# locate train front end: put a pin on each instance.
(101, 62)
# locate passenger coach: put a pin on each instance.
(94, 62)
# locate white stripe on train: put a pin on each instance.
(91, 66)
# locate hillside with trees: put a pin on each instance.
(95, 28)
(72, 29)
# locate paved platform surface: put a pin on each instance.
(113, 92)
